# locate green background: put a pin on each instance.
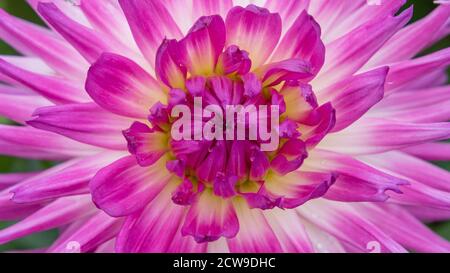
(8, 164)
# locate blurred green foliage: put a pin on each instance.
(7, 164)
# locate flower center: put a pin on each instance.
(228, 127)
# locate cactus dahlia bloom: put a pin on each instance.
(359, 114)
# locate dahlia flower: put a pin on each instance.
(359, 116)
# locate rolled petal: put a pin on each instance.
(302, 41)
(405, 44)
(288, 70)
(19, 106)
(300, 100)
(359, 16)
(354, 96)
(369, 183)
(108, 18)
(122, 87)
(69, 178)
(55, 89)
(146, 144)
(33, 40)
(430, 151)
(150, 23)
(349, 53)
(369, 136)
(56, 214)
(255, 234)
(402, 73)
(318, 124)
(296, 188)
(29, 142)
(12, 211)
(168, 64)
(124, 187)
(86, 123)
(254, 30)
(201, 47)
(421, 106)
(82, 38)
(88, 235)
(404, 165)
(9, 179)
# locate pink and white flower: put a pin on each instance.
(360, 114)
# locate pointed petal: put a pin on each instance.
(56, 214)
(33, 40)
(27, 141)
(86, 123)
(69, 178)
(82, 38)
(349, 53)
(369, 136)
(354, 96)
(54, 88)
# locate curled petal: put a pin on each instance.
(254, 30)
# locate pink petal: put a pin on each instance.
(82, 38)
(430, 151)
(29, 142)
(150, 23)
(404, 228)
(421, 106)
(86, 123)
(156, 228)
(200, 49)
(122, 87)
(88, 234)
(18, 106)
(148, 145)
(254, 30)
(33, 40)
(354, 96)
(402, 73)
(255, 234)
(289, 229)
(348, 226)
(406, 44)
(69, 178)
(369, 136)
(54, 88)
(302, 41)
(209, 218)
(58, 213)
(349, 53)
(124, 187)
